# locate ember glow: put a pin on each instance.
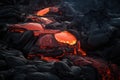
(83, 53)
(102, 67)
(50, 59)
(65, 37)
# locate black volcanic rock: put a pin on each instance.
(19, 77)
(41, 76)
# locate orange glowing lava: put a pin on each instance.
(66, 37)
(45, 20)
(47, 10)
(35, 27)
(32, 26)
(43, 12)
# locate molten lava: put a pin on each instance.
(35, 27)
(47, 41)
(83, 53)
(32, 26)
(65, 37)
(45, 20)
(47, 10)
(43, 12)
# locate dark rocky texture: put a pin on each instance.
(97, 23)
